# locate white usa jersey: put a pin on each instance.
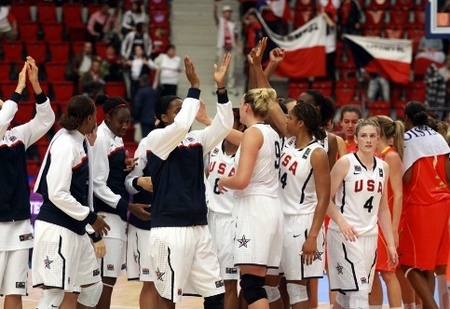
(220, 165)
(359, 195)
(264, 179)
(297, 188)
(324, 142)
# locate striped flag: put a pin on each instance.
(280, 8)
(390, 57)
(304, 49)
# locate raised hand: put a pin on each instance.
(277, 55)
(32, 70)
(221, 72)
(130, 163)
(21, 82)
(255, 56)
(191, 74)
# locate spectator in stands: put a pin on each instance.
(160, 42)
(435, 92)
(136, 14)
(169, 67)
(102, 25)
(253, 30)
(112, 65)
(328, 9)
(275, 23)
(378, 88)
(8, 23)
(139, 65)
(145, 100)
(349, 21)
(431, 49)
(92, 82)
(226, 42)
(138, 36)
(81, 63)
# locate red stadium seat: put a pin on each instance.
(77, 47)
(323, 86)
(72, 14)
(399, 17)
(25, 113)
(100, 49)
(21, 12)
(297, 87)
(46, 11)
(374, 17)
(379, 108)
(59, 51)
(371, 30)
(5, 72)
(162, 4)
(378, 5)
(53, 32)
(100, 114)
(159, 18)
(38, 50)
(345, 92)
(55, 71)
(115, 89)
(13, 51)
(7, 87)
(415, 91)
(394, 31)
(28, 31)
(62, 90)
(419, 17)
(77, 33)
(404, 5)
(415, 35)
(33, 167)
(30, 91)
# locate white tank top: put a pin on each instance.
(220, 165)
(359, 196)
(264, 179)
(297, 188)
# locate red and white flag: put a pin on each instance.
(280, 8)
(390, 57)
(304, 49)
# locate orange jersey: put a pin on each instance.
(428, 183)
(351, 146)
(390, 193)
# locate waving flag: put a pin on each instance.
(390, 57)
(304, 49)
(280, 8)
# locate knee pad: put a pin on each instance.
(273, 293)
(297, 293)
(51, 298)
(252, 288)
(214, 302)
(358, 299)
(89, 296)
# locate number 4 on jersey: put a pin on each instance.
(368, 204)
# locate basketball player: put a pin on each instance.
(304, 195)
(220, 219)
(358, 181)
(350, 115)
(426, 175)
(63, 258)
(180, 242)
(390, 132)
(110, 168)
(15, 211)
(139, 183)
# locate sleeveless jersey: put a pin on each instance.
(264, 179)
(220, 165)
(297, 188)
(359, 195)
(390, 193)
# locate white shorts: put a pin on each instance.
(184, 255)
(259, 231)
(113, 263)
(63, 259)
(351, 265)
(14, 272)
(222, 231)
(138, 258)
(296, 232)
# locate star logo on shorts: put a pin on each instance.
(159, 274)
(48, 262)
(318, 256)
(243, 241)
(340, 269)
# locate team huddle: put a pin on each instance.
(262, 193)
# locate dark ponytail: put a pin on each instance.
(78, 109)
